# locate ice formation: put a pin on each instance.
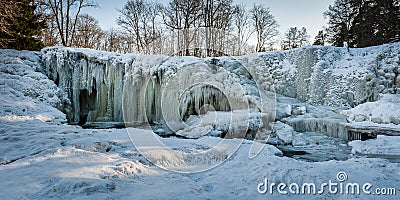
(105, 87)
(156, 89)
(92, 81)
(333, 76)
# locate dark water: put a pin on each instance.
(322, 148)
(317, 148)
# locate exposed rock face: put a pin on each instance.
(101, 86)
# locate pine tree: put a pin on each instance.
(377, 22)
(320, 38)
(24, 29)
(340, 18)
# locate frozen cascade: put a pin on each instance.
(94, 82)
(131, 89)
(92, 85)
(331, 76)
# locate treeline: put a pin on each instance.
(363, 23)
(189, 27)
(179, 27)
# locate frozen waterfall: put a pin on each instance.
(110, 87)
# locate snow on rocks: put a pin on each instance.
(284, 132)
(141, 88)
(223, 124)
(299, 110)
(26, 92)
(384, 111)
(332, 76)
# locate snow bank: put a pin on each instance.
(26, 93)
(384, 111)
(382, 145)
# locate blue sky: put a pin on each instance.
(288, 13)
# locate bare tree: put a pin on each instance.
(139, 18)
(217, 15)
(265, 25)
(172, 18)
(130, 21)
(8, 11)
(182, 16)
(66, 14)
(243, 28)
(152, 30)
(88, 32)
(50, 35)
(295, 38)
(112, 41)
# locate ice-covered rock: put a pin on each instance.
(236, 124)
(300, 139)
(283, 111)
(284, 132)
(91, 80)
(299, 110)
(195, 132)
(330, 75)
(320, 119)
(156, 89)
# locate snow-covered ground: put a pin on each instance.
(383, 145)
(41, 157)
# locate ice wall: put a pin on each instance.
(110, 87)
(91, 82)
(94, 81)
(330, 75)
